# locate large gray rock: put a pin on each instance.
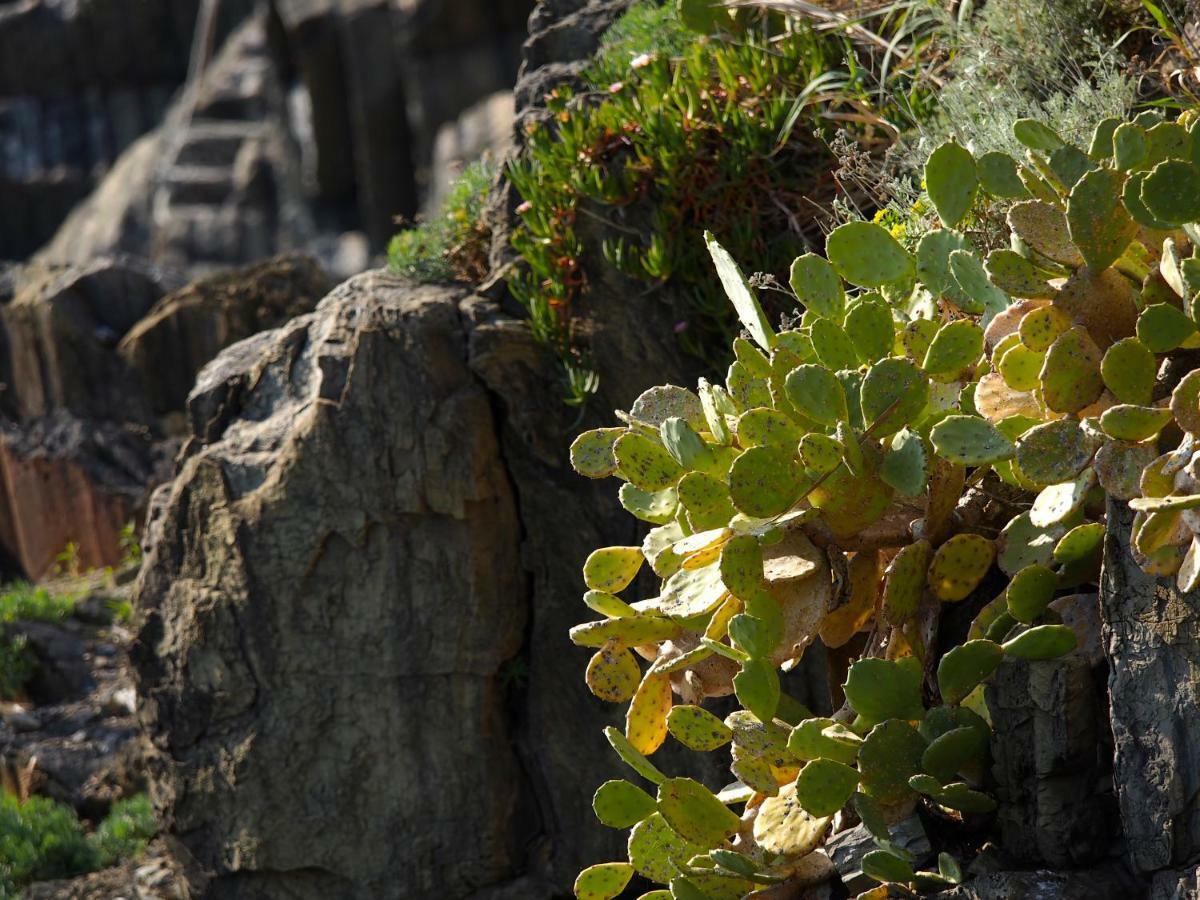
(332, 596)
(1152, 640)
(1052, 752)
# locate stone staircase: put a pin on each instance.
(221, 184)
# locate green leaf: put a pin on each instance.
(865, 254)
(970, 441)
(1099, 224)
(952, 181)
(764, 482)
(824, 786)
(604, 881)
(619, 804)
(749, 312)
(904, 466)
(1042, 642)
(817, 394)
(879, 689)
(818, 286)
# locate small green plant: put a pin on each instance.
(131, 547)
(827, 490)
(721, 127)
(125, 831)
(67, 561)
(22, 601)
(41, 839)
(453, 245)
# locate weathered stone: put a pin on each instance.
(1176, 885)
(1152, 639)
(1107, 882)
(332, 595)
(1051, 752)
(847, 848)
(65, 480)
(60, 329)
(186, 329)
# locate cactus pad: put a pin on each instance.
(1070, 374)
(952, 181)
(656, 849)
(656, 507)
(745, 304)
(1129, 370)
(817, 394)
(1163, 327)
(822, 738)
(630, 630)
(645, 463)
(1020, 367)
(592, 452)
(1044, 228)
(1171, 192)
(968, 271)
(1024, 544)
(904, 582)
(757, 688)
(619, 804)
(964, 667)
(706, 501)
(1040, 328)
(646, 718)
(956, 750)
(1017, 276)
(604, 881)
(765, 427)
(610, 569)
(894, 394)
(1037, 135)
(869, 325)
(956, 796)
(818, 286)
(824, 786)
(783, 827)
(879, 689)
(833, 346)
(885, 866)
(1185, 402)
(1126, 422)
(905, 466)
(657, 404)
(1099, 224)
(698, 729)
(865, 254)
(998, 176)
(1030, 592)
(694, 812)
(613, 673)
(764, 482)
(632, 757)
(955, 348)
(1042, 642)
(1129, 146)
(1056, 502)
(1055, 452)
(970, 441)
(890, 755)
(959, 565)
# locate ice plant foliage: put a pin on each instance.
(839, 486)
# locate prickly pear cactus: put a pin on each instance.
(840, 484)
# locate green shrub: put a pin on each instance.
(43, 840)
(826, 490)
(723, 131)
(125, 831)
(22, 600)
(453, 245)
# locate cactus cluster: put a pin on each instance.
(832, 489)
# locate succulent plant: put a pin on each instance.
(828, 489)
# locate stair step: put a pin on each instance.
(211, 143)
(198, 185)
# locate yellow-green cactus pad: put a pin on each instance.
(965, 666)
(970, 441)
(1070, 375)
(782, 826)
(1129, 370)
(879, 689)
(1042, 642)
(952, 181)
(619, 804)
(698, 729)
(765, 482)
(694, 812)
(890, 755)
(656, 850)
(824, 786)
(817, 394)
(604, 881)
(613, 673)
(818, 286)
(822, 738)
(959, 565)
(1055, 452)
(865, 254)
